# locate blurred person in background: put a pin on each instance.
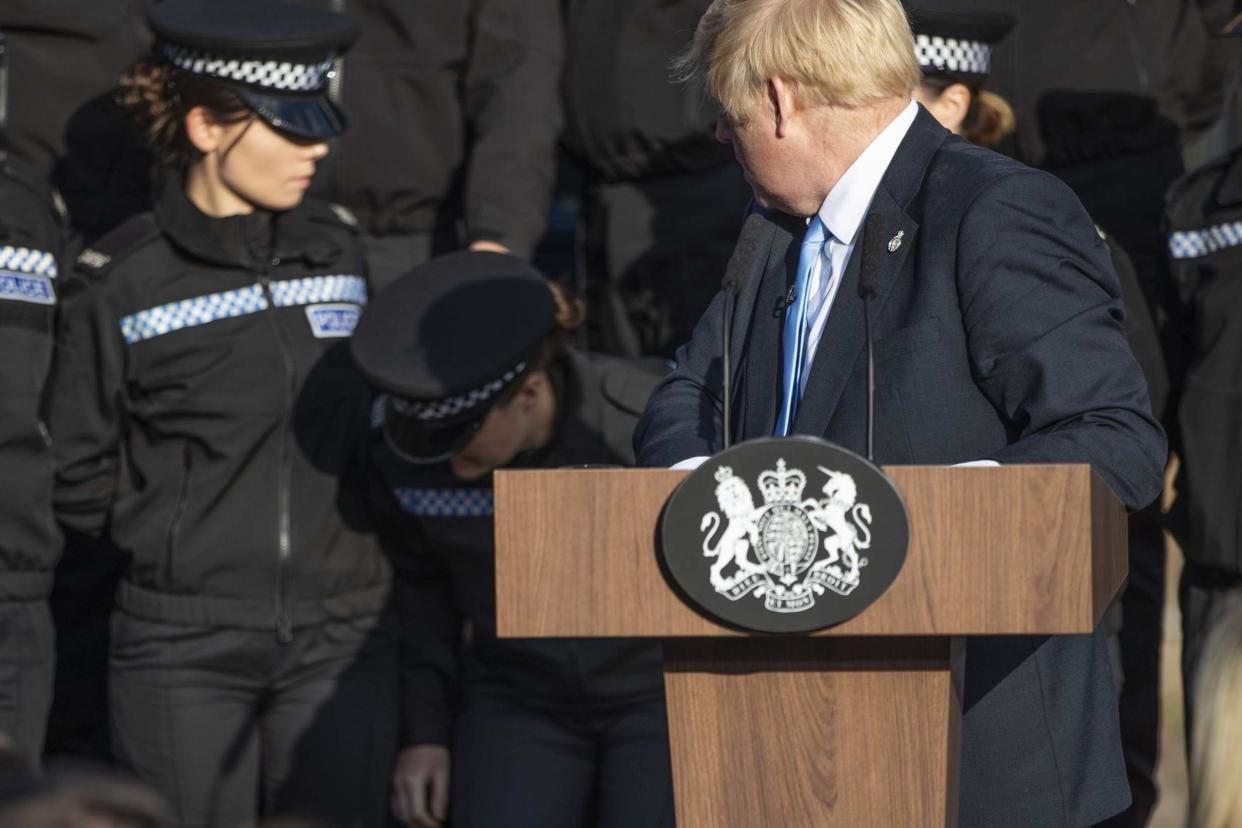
(953, 46)
(662, 200)
(472, 351)
(453, 115)
(207, 415)
(65, 57)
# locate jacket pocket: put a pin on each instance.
(174, 526)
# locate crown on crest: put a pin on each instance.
(723, 473)
(781, 485)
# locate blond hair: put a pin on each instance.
(845, 53)
(1216, 756)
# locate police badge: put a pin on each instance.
(796, 561)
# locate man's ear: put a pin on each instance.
(783, 102)
(203, 131)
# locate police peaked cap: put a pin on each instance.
(955, 42)
(446, 341)
(278, 57)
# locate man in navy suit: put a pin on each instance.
(998, 339)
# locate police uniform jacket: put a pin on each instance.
(453, 111)
(205, 408)
(32, 231)
(1205, 245)
(440, 532)
(624, 119)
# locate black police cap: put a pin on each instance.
(446, 341)
(954, 41)
(280, 58)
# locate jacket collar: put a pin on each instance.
(248, 241)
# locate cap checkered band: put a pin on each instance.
(1191, 244)
(947, 54)
(27, 260)
(278, 75)
(200, 310)
(446, 502)
(452, 406)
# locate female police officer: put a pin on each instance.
(542, 733)
(205, 409)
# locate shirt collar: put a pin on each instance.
(846, 204)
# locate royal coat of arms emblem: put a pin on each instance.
(791, 549)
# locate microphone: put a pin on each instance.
(873, 247)
(739, 266)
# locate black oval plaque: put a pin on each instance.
(784, 535)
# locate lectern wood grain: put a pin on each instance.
(813, 732)
(1008, 550)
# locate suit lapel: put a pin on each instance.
(844, 339)
(762, 348)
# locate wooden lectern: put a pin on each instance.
(853, 726)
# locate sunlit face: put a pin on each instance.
(761, 156)
(265, 168)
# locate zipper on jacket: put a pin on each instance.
(174, 528)
(284, 626)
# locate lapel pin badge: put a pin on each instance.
(895, 241)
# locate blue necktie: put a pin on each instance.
(793, 340)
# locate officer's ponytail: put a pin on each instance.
(570, 315)
(157, 96)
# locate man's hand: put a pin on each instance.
(420, 786)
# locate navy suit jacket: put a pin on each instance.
(998, 334)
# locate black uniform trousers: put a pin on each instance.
(27, 665)
(230, 724)
(523, 762)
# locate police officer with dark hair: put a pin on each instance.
(32, 235)
(1204, 218)
(206, 413)
(471, 350)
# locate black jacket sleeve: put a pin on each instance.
(513, 118)
(85, 405)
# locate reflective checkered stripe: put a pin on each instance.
(315, 289)
(27, 260)
(446, 502)
(190, 313)
(948, 54)
(266, 74)
(452, 406)
(1191, 244)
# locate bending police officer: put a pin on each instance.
(471, 349)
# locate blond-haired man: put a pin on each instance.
(998, 337)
